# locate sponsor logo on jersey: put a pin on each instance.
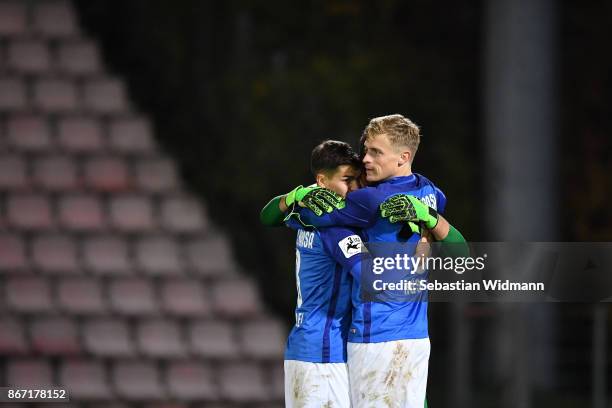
(350, 245)
(305, 239)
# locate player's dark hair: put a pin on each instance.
(328, 155)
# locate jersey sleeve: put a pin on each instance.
(360, 212)
(344, 245)
(441, 200)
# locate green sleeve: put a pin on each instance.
(459, 247)
(271, 215)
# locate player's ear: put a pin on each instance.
(321, 180)
(405, 157)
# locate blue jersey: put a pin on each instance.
(323, 260)
(382, 321)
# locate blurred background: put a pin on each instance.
(140, 139)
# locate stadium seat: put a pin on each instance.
(132, 296)
(158, 255)
(54, 19)
(213, 339)
(55, 254)
(85, 380)
(55, 95)
(80, 296)
(13, 172)
(104, 96)
(210, 256)
(28, 294)
(160, 338)
(236, 298)
(12, 336)
(184, 298)
(80, 134)
(132, 213)
(183, 215)
(190, 380)
(13, 18)
(28, 56)
(28, 133)
(135, 380)
(131, 135)
(263, 339)
(156, 175)
(12, 94)
(12, 252)
(81, 212)
(107, 174)
(55, 173)
(107, 337)
(29, 373)
(243, 382)
(106, 255)
(78, 58)
(29, 211)
(55, 336)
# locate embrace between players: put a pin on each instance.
(344, 350)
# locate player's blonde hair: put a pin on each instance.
(401, 131)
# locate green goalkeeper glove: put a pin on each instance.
(322, 200)
(297, 194)
(408, 208)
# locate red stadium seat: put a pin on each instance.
(104, 96)
(85, 380)
(13, 172)
(243, 382)
(107, 337)
(28, 133)
(184, 298)
(106, 173)
(156, 175)
(136, 380)
(29, 373)
(160, 338)
(263, 339)
(55, 254)
(12, 94)
(80, 134)
(12, 336)
(158, 255)
(80, 296)
(183, 215)
(132, 213)
(55, 173)
(13, 18)
(132, 296)
(12, 252)
(54, 19)
(29, 211)
(131, 135)
(55, 335)
(190, 380)
(28, 294)
(213, 339)
(28, 56)
(78, 58)
(236, 298)
(81, 212)
(210, 257)
(55, 95)
(106, 255)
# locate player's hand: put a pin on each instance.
(297, 194)
(321, 200)
(408, 208)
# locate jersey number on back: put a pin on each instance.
(299, 317)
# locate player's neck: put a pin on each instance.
(404, 171)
